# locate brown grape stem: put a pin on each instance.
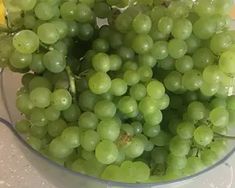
(72, 85)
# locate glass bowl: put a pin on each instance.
(60, 176)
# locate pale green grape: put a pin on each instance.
(153, 118)
(142, 43)
(196, 110)
(226, 62)
(61, 27)
(38, 132)
(219, 117)
(182, 29)
(19, 60)
(145, 72)
(99, 83)
(105, 109)
(61, 99)
(203, 135)
(115, 62)
(52, 114)
(204, 8)
(101, 62)
(118, 87)
(176, 162)
(135, 148)
(159, 50)
(204, 28)
(37, 64)
(87, 100)
(142, 171)
(185, 130)
(24, 104)
(212, 74)
(72, 113)
(165, 25)
(142, 24)
(148, 105)
(106, 152)
(55, 128)
(203, 57)
(45, 11)
(127, 105)
(38, 81)
(58, 149)
(38, 118)
(108, 129)
(173, 81)
(184, 64)
(209, 89)
(88, 120)
(131, 77)
(138, 91)
(220, 43)
(83, 13)
(151, 130)
(24, 5)
(155, 89)
(26, 41)
(70, 137)
(177, 48)
(192, 80)
(48, 33)
(162, 139)
(34, 142)
(40, 97)
(193, 43)
(209, 157)
(179, 147)
(68, 10)
(89, 140)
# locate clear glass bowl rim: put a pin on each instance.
(10, 125)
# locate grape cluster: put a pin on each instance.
(143, 97)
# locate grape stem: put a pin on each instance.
(72, 85)
(225, 136)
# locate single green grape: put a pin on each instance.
(135, 148)
(19, 60)
(219, 117)
(70, 137)
(38, 118)
(177, 48)
(61, 99)
(89, 140)
(182, 28)
(196, 110)
(48, 33)
(101, 62)
(72, 113)
(159, 50)
(52, 114)
(99, 83)
(59, 149)
(118, 87)
(142, 24)
(108, 129)
(127, 105)
(55, 128)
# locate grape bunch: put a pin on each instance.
(131, 91)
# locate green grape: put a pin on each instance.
(123, 22)
(126, 53)
(54, 61)
(176, 162)
(161, 139)
(61, 27)
(203, 135)
(105, 109)
(159, 50)
(34, 142)
(147, 59)
(79, 166)
(26, 41)
(137, 127)
(135, 148)
(179, 147)
(70, 137)
(127, 105)
(88, 120)
(128, 129)
(222, 6)
(230, 103)
(38, 132)
(182, 29)
(89, 140)
(48, 33)
(142, 171)
(87, 100)
(185, 130)
(101, 62)
(194, 165)
(226, 62)
(184, 64)
(193, 43)
(108, 129)
(148, 105)
(51, 113)
(115, 39)
(165, 25)
(55, 128)
(106, 152)
(130, 65)
(173, 81)
(203, 57)
(25, 5)
(72, 113)
(115, 62)
(131, 77)
(83, 13)
(208, 157)
(142, 24)
(100, 45)
(37, 117)
(59, 149)
(19, 60)
(151, 130)
(23, 126)
(118, 87)
(138, 91)
(37, 64)
(209, 89)
(61, 47)
(45, 11)
(40, 97)
(178, 9)
(112, 172)
(85, 31)
(142, 43)
(61, 99)
(204, 8)
(68, 10)
(212, 74)
(24, 104)
(99, 83)
(128, 172)
(219, 147)
(74, 30)
(102, 10)
(38, 81)
(153, 118)
(196, 110)
(204, 28)
(29, 21)
(155, 89)
(220, 43)
(177, 48)
(159, 155)
(87, 155)
(219, 117)
(192, 80)
(145, 72)
(167, 63)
